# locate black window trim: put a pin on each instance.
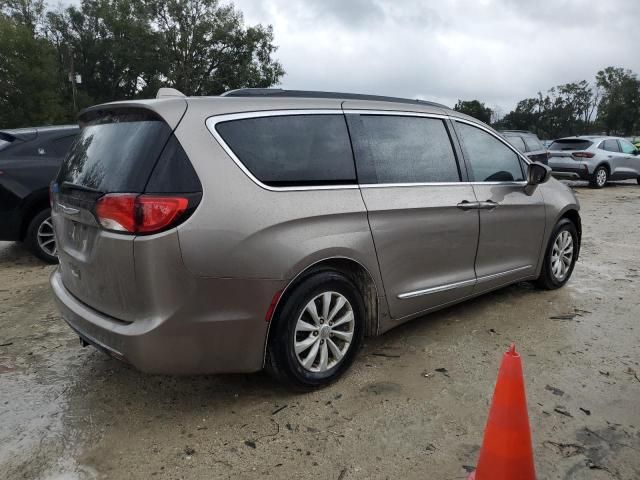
(449, 120)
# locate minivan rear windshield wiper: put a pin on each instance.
(74, 186)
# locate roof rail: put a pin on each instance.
(517, 131)
(279, 92)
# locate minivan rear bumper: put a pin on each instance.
(195, 340)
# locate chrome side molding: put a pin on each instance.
(464, 283)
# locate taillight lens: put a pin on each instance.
(157, 213)
(583, 154)
(133, 213)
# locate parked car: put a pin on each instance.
(529, 143)
(597, 159)
(275, 229)
(29, 160)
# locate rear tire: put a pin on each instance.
(556, 270)
(317, 332)
(40, 238)
(600, 177)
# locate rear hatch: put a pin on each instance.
(126, 175)
(567, 149)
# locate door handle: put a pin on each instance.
(467, 205)
(488, 205)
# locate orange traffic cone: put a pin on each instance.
(506, 452)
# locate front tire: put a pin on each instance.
(40, 238)
(560, 256)
(317, 332)
(600, 177)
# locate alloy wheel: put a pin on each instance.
(46, 238)
(562, 255)
(324, 332)
(601, 177)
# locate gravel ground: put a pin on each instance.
(414, 404)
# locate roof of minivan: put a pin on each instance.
(171, 104)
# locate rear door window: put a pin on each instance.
(402, 149)
(610, 146)
(532, 143)
(517, 142)
(115, 151)
(293, 150)
(490, 159)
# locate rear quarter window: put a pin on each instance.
(292, 150)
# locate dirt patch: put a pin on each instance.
(413, 406)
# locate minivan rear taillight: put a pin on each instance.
(133, 213)
(583, 154)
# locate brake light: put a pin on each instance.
(157, 213)
(583, 154)
(133, 213)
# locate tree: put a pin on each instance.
(208, 50)
(110, 43)
(619, 108)
(29, 92)
(475, 109)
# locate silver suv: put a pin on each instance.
(275, 229)
(595, 158)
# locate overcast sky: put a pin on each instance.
(498, 51)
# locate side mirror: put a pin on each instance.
(538, 173)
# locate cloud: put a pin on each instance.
(498, 51)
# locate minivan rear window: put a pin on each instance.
(292, 150)
(570, 144)
(115, 151)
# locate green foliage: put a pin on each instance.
(571, 109)
(29, 93)
(564, 110)
(619, 108)
(123, 49)
(207, 50)
(475, 109)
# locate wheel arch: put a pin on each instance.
(573, 215)
(604, 164)
(355, 271)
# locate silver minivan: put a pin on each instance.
(275, 229)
